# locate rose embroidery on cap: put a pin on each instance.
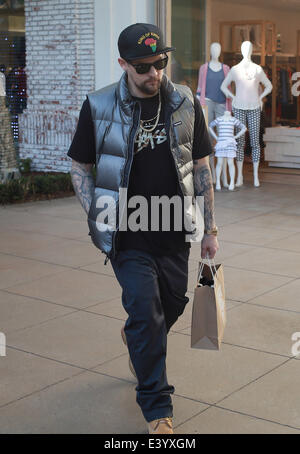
(152, 43)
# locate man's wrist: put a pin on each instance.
(212, 231)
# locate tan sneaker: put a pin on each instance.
(123, 335)
(161, 426)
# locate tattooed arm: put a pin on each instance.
(83, 183)
(204, 187)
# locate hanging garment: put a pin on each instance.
(284, 86)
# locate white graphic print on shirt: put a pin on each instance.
(157, 137)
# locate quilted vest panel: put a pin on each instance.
(116, 118)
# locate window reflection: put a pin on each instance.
(188, 36)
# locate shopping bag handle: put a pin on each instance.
(211, 264)
(200, 272)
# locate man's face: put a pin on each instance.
(147, 84)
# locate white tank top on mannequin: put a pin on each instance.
(247, 82)
(2, 84)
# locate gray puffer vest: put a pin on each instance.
(116, 117)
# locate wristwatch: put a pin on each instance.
(213, 231)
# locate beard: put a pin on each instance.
(150, 86)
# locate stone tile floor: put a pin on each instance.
(66, 368)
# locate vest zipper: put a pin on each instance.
(169, 131)
(176, 168)
(130, 145)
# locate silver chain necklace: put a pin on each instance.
(156, 118)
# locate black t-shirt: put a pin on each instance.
(153, 173)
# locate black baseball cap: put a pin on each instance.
(141, 41)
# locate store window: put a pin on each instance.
(188, 36)
(12, 60)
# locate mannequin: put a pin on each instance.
(226, 144)
(211, 76)
(8, 161)
(247, 105)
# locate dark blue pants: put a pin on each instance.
(153, 296)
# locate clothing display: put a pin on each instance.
(248, 86)
(214, 81)
(248, 78)
(250, 118)
(286, 103)
(214, 110)
(226, 146)
(262, 130)
(284, 77)
(203, 79)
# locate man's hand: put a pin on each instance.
(204, 187)
(209, 246)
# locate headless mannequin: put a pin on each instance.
(215, 65)
(248, 103)
(227, 119)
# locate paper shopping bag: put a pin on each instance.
(209, 313)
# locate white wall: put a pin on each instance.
(111, 17)
(287, 21)
(60, 71)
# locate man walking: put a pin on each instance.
(148, 136)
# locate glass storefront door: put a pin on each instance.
(188, 36)
(12, 59)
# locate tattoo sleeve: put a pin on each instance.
(204, 187)
(83, 183)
